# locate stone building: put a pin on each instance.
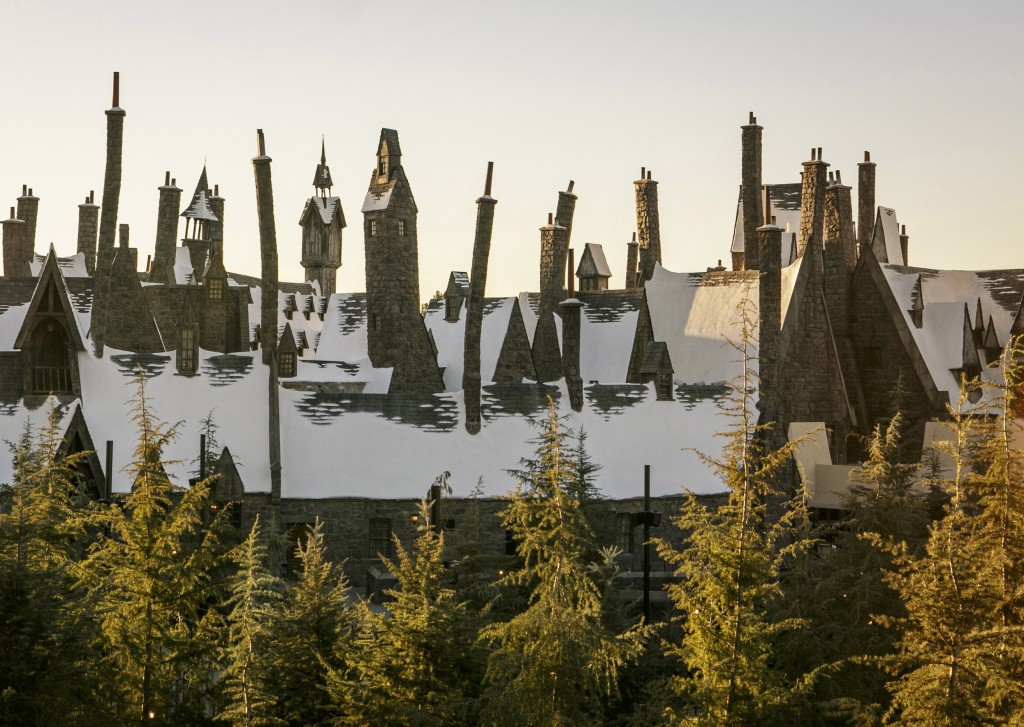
(347, 405)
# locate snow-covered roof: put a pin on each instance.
(607, 329)
(200, 208)
(593, 262)
(16, 415)
(184, 273)
(945, 294)
(72, 266)
(785, 201)
(325, 207)
(450, 338)
(885, 241)
(378, 198)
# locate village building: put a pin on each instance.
(346, 405)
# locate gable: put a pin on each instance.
(50, 299)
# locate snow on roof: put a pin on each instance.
(70, 267)
(940, 338)
(785, 199)
(298, 303)
(325, 207)
(377, 202)
(634, 431)
(184, 274)
(597, 264)
(886, 238)
(697, 315)
(15, 416)
(231, 386)
(450, 338)
(607, 329)
(200, 207)
(11, 319)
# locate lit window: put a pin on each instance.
(216, 286)
(187, 350)
(287, 364)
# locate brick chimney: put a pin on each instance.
(631, 262)
(648, 224)
(88, 227)
(770, 314)
(753, 213)
(165, 249)
(865, 202)
(475, 305)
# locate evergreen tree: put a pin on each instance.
(254, 594)
(729, 566)
(414, 664)
(555, 662)
(43, 631)
(311, 636)
(150, 585)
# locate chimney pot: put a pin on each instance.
(767, 204)
(123, 234)
(30, 192)
(92, 196)
(649, 172)
(719, 262)
(867, 156)
(117, 90)
(490, 175)
(24, 190)
(752, 121)
(820, 157)
(167, 179)
(839, 177)
(216, 190)
(634, 238)
(773, 219)
(12, 213)
(174, 182)
(813, 157)
(643, 172)
(903, 229)
(260, 144)
(571, 184)
(551, 218)
(149, 262)
(831, 177)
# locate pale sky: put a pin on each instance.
(549, 91)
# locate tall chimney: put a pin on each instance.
(88, 226)
(751, 186)
(546, 354)
(865, 202)
(475, 305)
(268, 303)
(905, 244)
(28, 210)
(770, 318)
(840, 254)
(631, 262)
(217, 226)
(570, 308)
(15, 264)
(812, 203)
(165, 249)
(648, 225)
(108, 218)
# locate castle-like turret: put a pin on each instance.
(396, 336)
(322, 221)
(200, 219)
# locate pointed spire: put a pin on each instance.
(199, 207)
(322, 179)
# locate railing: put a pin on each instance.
(51, 379)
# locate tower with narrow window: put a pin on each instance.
(396, 336)
(322, 221)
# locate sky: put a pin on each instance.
(548, 91)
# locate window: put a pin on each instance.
(401, 228)
(625, 523)
(380, 537)
(287, 364)
(373, 228)
(216, 288)
(187, 350)
(382, 165)
(375, 322)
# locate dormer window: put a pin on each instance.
(382, 165)
(215, 286)
(286, 365)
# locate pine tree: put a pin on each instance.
(556, 662)
(729, 565)
(254, 594)
(151, 584)
(417, 663)
(311, 635)
(43, 631)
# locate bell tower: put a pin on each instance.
(322, 221)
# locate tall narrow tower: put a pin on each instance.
(322, 221)
(396, 336)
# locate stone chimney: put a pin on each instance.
(108, 218)
(865, 202)
(751, 185)
(15, 265)
(840, 253)
(88, 227)
(570, 308)
(648, 225)
(217, 226)
(165, 249)
(28, 210)
(770, 316)
(546, 354)
(905, 244)
(631, 262)
(268, 303)
(475, 305)
(564, 214)
(812, 203)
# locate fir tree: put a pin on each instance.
(729, 566)
(311, 636)
(556, 662)
(254, 595)
(150, 584)
(414, 664)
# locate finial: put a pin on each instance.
(117, 90)
(260, 144)
(490, 175)
(323, 150)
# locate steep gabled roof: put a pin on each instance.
(389, 137)
(328, 208)
(885, 242)
(593, 262)
(199, 208)
(50, 291)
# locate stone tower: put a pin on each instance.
(396, 336)
(322, 221)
